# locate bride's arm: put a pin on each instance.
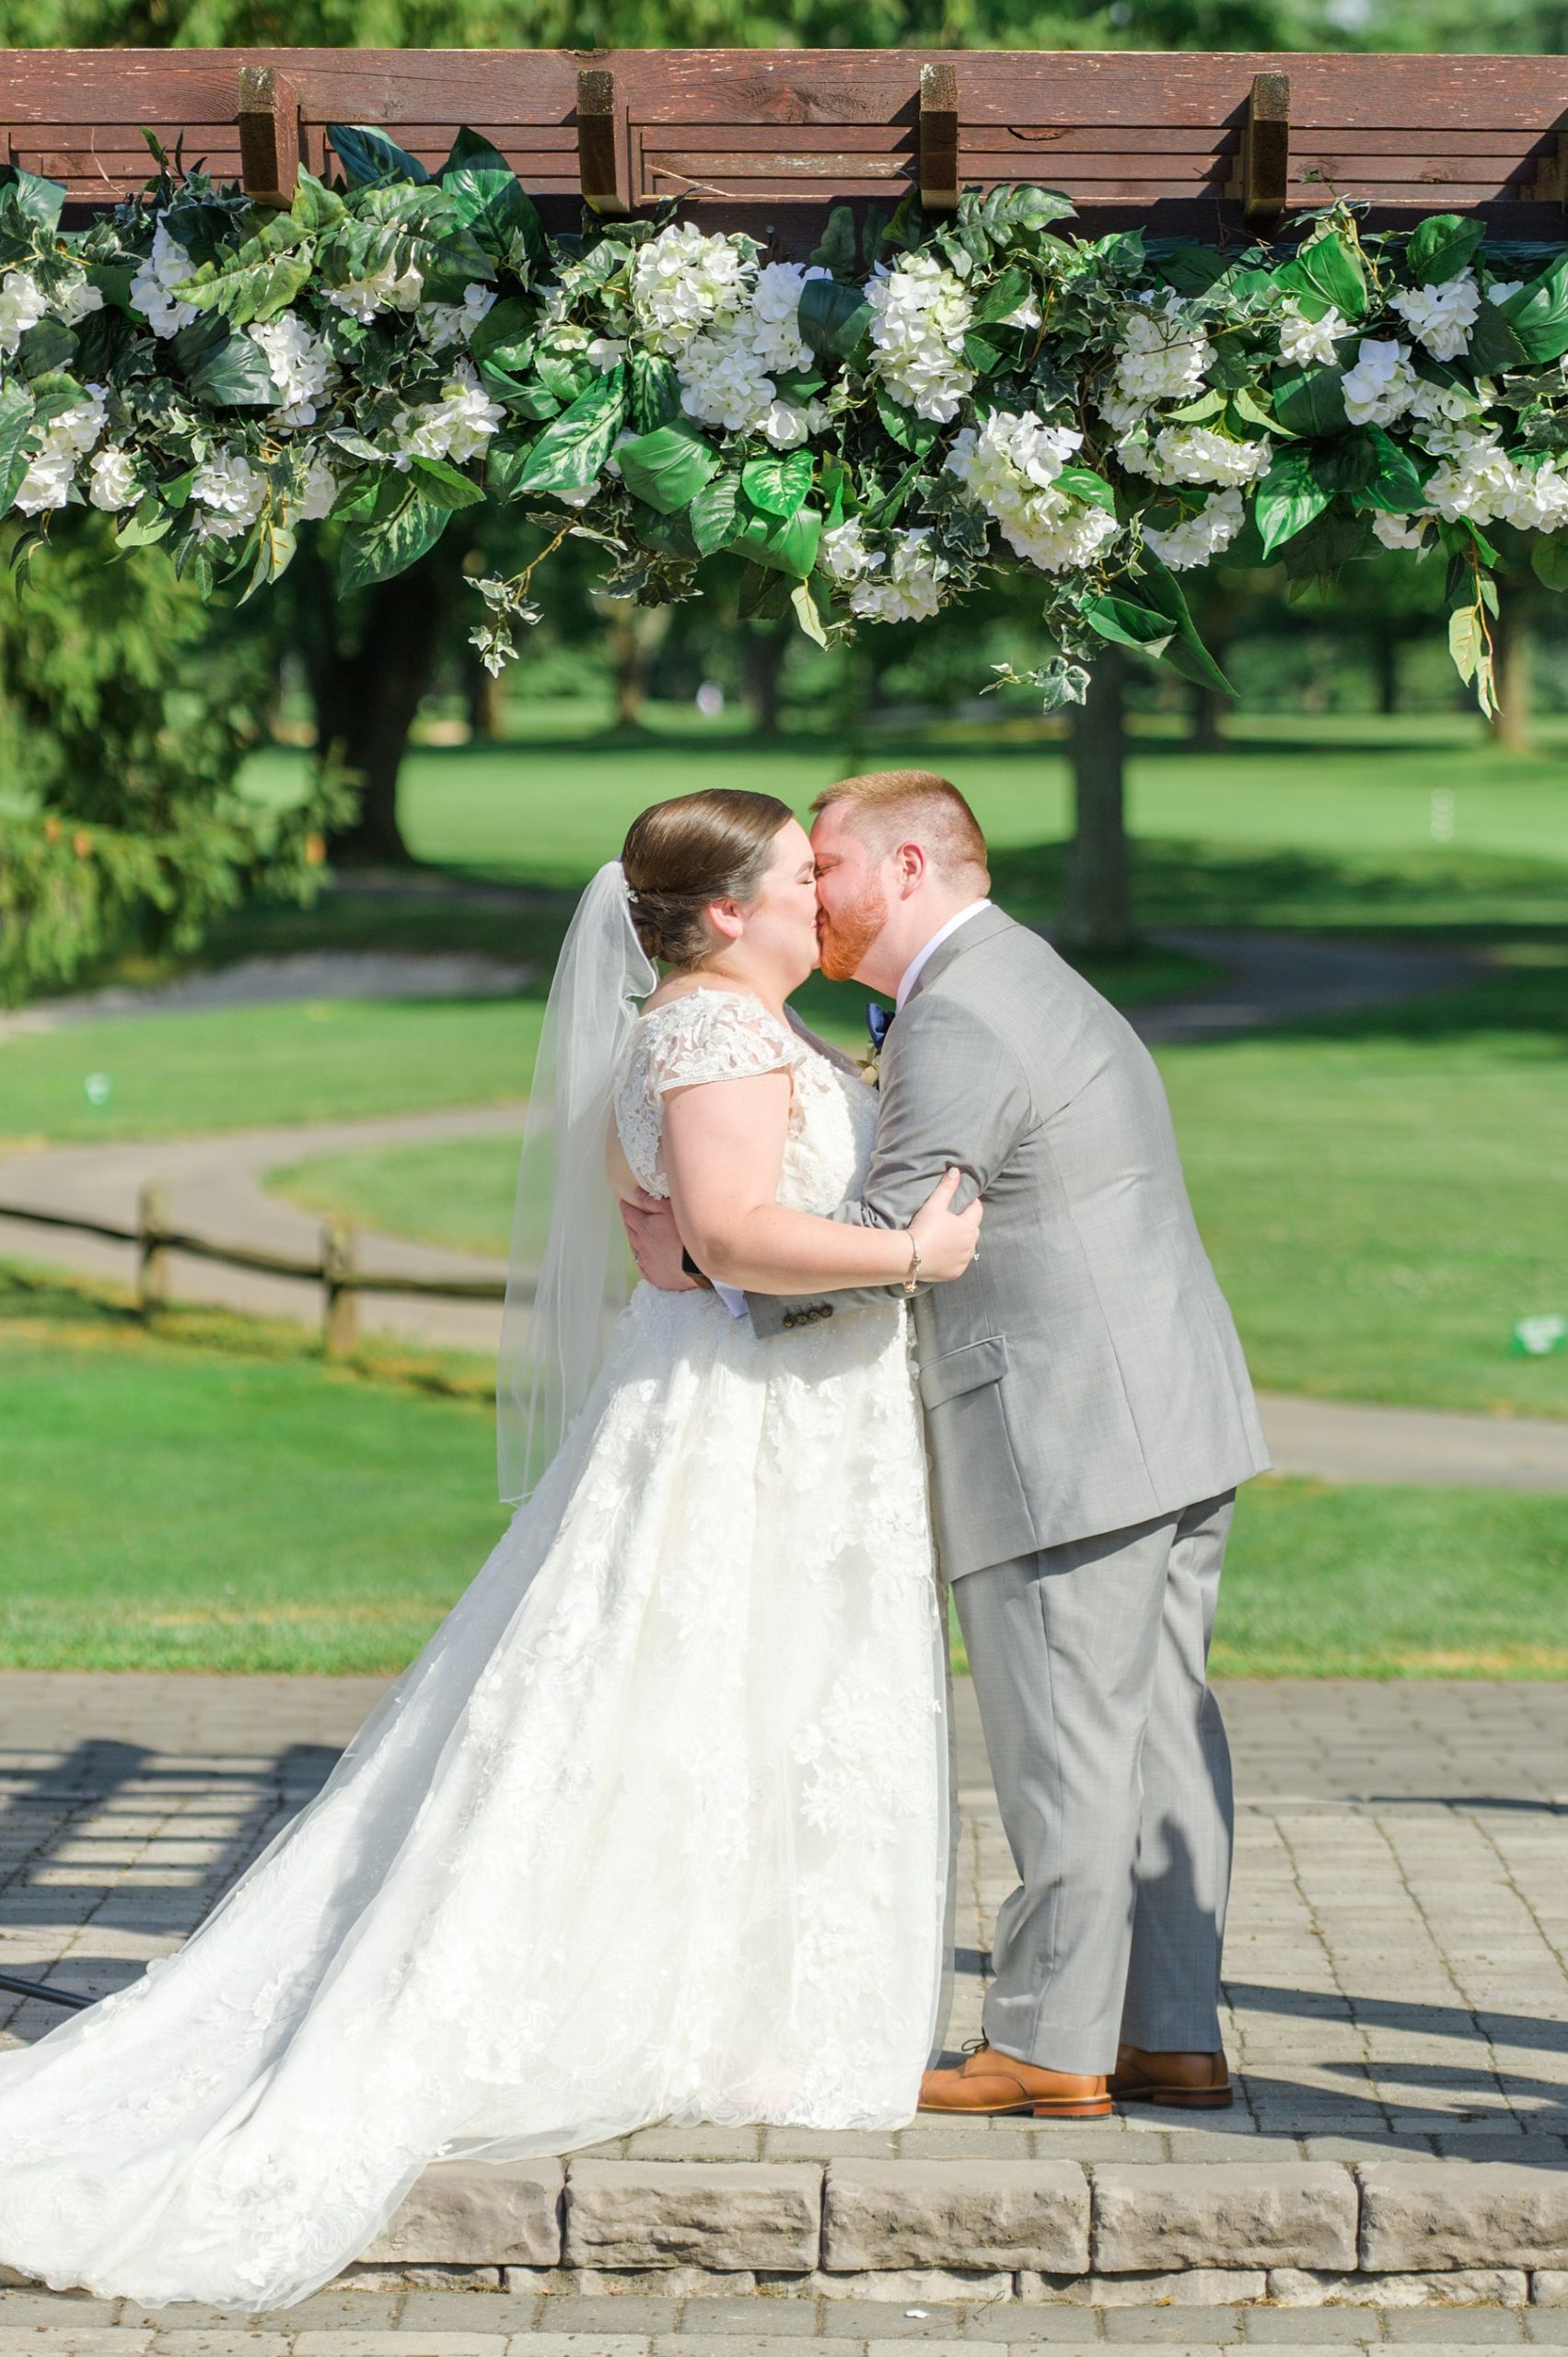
(723, 1151)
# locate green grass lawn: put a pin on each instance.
(211, 1497)
(1382, 1197)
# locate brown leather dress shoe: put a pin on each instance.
(990, 2083)
(1185, 2081)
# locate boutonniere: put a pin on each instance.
(878, 1022)
(870, 1067)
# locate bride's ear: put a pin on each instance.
(727, 919)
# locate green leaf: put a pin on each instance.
(233, 375)
(254, 280)
(1209, 404)
(148, 522)
(316, 206)
(530, 401)
(911, 433)
(377, 549)
(1548, 560)
(806, 612)
(1310, 401)
(1492, 345)
(17, 407)
(983, 357)
(1396, 486)
(764, 595)
(1003, 296)
(1466, 640)
(503, 339)
(448, 485)
(367, 156)
(833, 319)
(40, 201)
(1248, 409)
(783, 544)
(505, 460)
(1127, 624)
(1084, 484)
(47, 346)
(565, 374)
(1191, 270)
(1012, 211)
(1538, 314)
(1440, 246)
(667, 468)
(835, 250)
(656, 392)
(780, 483)
(573, 450)
(1333, 270)
(1348, 464)
(1288, 498)
(489, 201)
(1188, 655)
(713, 513)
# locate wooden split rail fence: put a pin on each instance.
(335, 1266)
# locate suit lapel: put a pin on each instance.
(984, 927)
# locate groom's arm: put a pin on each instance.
(953, 1095)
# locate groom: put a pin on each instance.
(1088, 1416)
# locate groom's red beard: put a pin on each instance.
(846, 938)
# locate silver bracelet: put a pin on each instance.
(914, 1277)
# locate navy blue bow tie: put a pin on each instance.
(878, 1022)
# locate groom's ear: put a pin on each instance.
(913, 866)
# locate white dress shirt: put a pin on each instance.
(733, 1298)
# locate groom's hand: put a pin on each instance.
(655, 1243)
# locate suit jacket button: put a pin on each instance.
(827, 1310)
(789, 1317)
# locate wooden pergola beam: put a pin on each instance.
(939, 136)
(267, 119)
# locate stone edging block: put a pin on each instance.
(979, 2213)
(492, 2212)
(1152, 2216)
(1421, 2214)
(723, 2214)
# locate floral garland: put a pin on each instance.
(870, 433)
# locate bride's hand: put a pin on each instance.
(947, 1239)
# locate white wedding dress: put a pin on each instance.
(655, 1828)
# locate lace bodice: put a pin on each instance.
(729, 1035)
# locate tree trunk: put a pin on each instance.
(366, 700)
(486, 702)
(1511, 639)
(1385, 669)
(635, 634)
(764, 667)
(1096, 907)
(1203, 728)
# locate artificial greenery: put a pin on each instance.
(871, 435)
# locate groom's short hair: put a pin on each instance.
(894, 805)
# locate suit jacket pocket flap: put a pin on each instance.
(963, 1370)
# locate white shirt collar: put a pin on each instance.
(916, 966)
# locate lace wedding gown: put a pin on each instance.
(653, 1830)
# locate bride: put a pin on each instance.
(654, 1827)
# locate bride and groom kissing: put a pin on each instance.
(657, 1828)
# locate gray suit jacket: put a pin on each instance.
(1085, 1374)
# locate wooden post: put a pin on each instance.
(152, 1262)
(340, 1310)
(598, 144)
(1263, 177)
(938, 137)
(269, 135)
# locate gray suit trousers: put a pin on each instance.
(1110, 1762)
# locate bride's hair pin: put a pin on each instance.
(681, 855)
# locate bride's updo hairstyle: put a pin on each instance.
(682, 855)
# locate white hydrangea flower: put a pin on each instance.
(385, 289)
(787, 427)
(232, 491)
(75, 299)
(1540, 500)
(843, 551)
(1161, 356)
(1446, 415)
(1026, 315)
(319, 493)
(906, 589)
(52, 470)
(301, 365)
(1198, 538)
(443, 323)
(1010, 464)
(1501, 288)
(728, 369)
(1198, 454)
(152, 287)
(1402, 531)
(683, 279)
(1380, 386)
(457, 426)
(1441, 317)
(580, 494)
(1305, 341)
(22, 306)
(111, 479)
(921, 315)
(1479, 481)
(606, 352)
